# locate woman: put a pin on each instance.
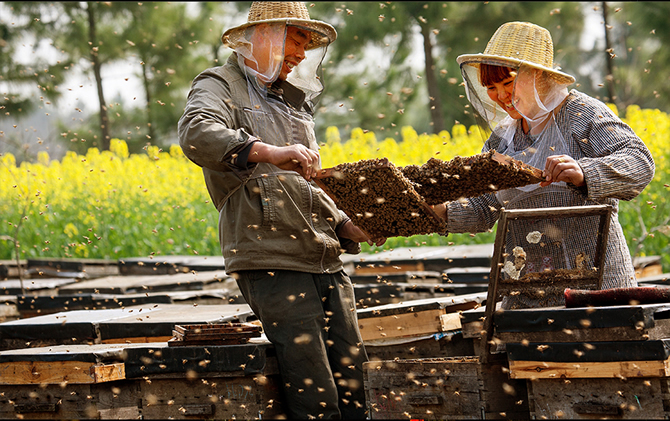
(588, 156)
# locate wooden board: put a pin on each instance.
(58, 372)
(449, 304)
(169, 265)
(38, 286)
(431, 258)
(214, 334)
(146, 283)
(141, 323)
(409, 324)
(379, 199)
(588, 370)
(71, 268)
(560, 324)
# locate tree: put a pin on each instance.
(73, 28)
(165, 39)
(637, 55)
(24, 84)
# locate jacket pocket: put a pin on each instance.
(269, 199)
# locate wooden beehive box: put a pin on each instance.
(207, 382)
(613, 379)
(442, 388)
(141, 381)
(67, 382)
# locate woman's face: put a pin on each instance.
(502, 93)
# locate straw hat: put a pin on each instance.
(516, 43)
(292, 13)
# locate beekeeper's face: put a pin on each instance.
(294, 49)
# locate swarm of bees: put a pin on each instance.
(443, 181)
(388, 201)
(379, 199)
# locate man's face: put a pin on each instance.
(294, 49)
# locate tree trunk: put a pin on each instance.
(434, 101)
(147, 93)
(608, 50)
(104, 120)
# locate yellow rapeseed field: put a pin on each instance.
(111, 204)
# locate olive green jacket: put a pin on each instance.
(268, 218)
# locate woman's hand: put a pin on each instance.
(562, 168)
(352, 232)
(297, 158)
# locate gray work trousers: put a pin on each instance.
(311, 321)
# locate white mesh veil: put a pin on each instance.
(536, 93)
(260, 50)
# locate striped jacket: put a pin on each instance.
(617, 165)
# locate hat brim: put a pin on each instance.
(327, 32)
(476, 59)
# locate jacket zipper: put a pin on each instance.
(311, 222)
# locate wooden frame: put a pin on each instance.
(605, 213)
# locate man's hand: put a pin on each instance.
(352, 232)
(440, 210)
(297, 158)
(562, 168)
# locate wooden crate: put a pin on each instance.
(212, 382)
(439, 388)
(615, 379)
(148, 381)
(211, 397)
(112, 400)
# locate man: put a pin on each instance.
(249, 125)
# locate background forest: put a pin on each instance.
(392, 74)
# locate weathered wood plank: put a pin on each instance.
(408, 324)
(590, 370)
(58, 372)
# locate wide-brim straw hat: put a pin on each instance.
(517, 43)
(290, 13)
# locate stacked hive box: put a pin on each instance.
(148, 381)
(591, 362)
(443, 388)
